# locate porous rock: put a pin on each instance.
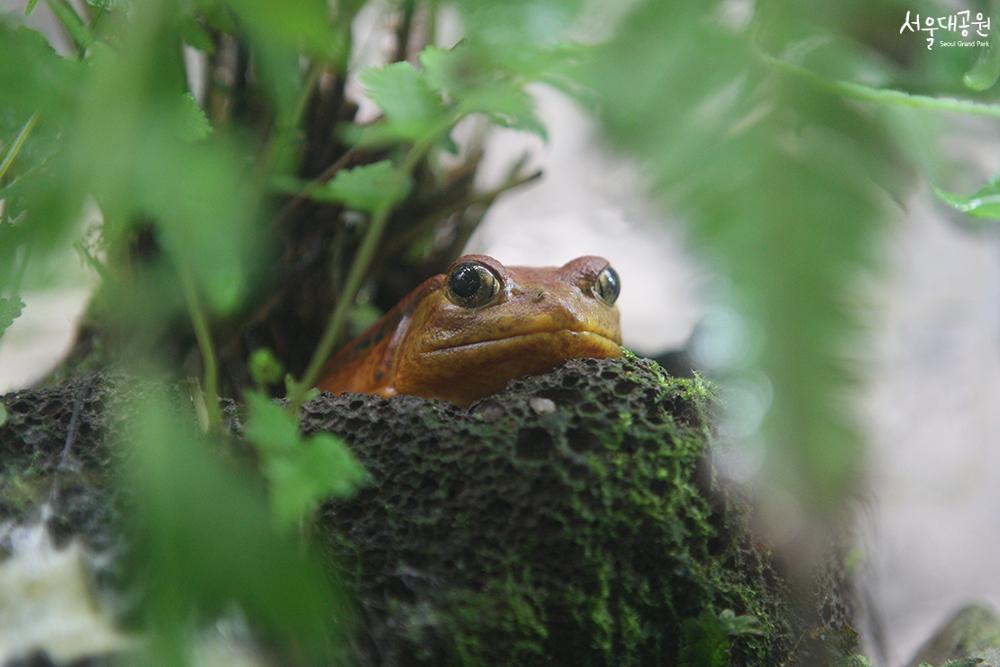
(588, 533)
(585, 535)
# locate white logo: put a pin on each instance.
(953, 23)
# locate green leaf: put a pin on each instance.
(322, 467)
(34, 78)
(30, 7)
(302, 471)
(205, 542)
(279, 32)
(3, 414)
(269, 427)
(984, 73)
(481, 87)
(367, 188)
(195, 193)
(292, 25)
(71, 22)
(506, 104)
(515, 29)
(411, 105)
(110, 5)
(10, 310)
(265, 368)
(777, 178)
(450, 71)
(195, 35)
(985, 203)
(192, 123)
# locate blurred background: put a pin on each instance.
(929, 358)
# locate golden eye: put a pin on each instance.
(472, 285)
(607, 286)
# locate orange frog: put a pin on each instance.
(464, 334)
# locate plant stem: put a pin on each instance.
(357, 273)
(284, 129)
(335, 324)
(204, 337)
(426, 223)
(865, 93)
(293, 204)
(74, 25)
(15, 148)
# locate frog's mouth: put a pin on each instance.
(559, 343)
(469, 370)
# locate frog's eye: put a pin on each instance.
(607, 286)
(472, 285)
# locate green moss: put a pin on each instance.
(583, 537)
(495, 535)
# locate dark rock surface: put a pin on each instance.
(571, 520)
(578, 529)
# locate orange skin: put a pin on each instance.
(431, 347)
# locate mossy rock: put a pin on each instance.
(573, 519)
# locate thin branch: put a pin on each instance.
(403, 33)
(283, 129)
(15, 148)
(72, 23)
(295, 202)
(202, 333)
(356, 275)
(427, 223)
(886, 96)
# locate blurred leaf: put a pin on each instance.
(205, 541)
(515, 29)
(15, 146)
(34, 78)
(323, 467)
(410, 104)
(984, 203)
(10, 310)
(302, 471)
(203, 213)
(279, 32)
(292, 387)
(265, 369)
(366, 188)
(109, 5)
(196, 194)
(505, 104)
(986, 70)
(66, 14)
(293, 24)
(779, 182)
(193, 124)
(30, 7)
(195, 35)
(476, 87)
(3, 414)
(269, 427)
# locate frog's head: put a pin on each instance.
(482, 324)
